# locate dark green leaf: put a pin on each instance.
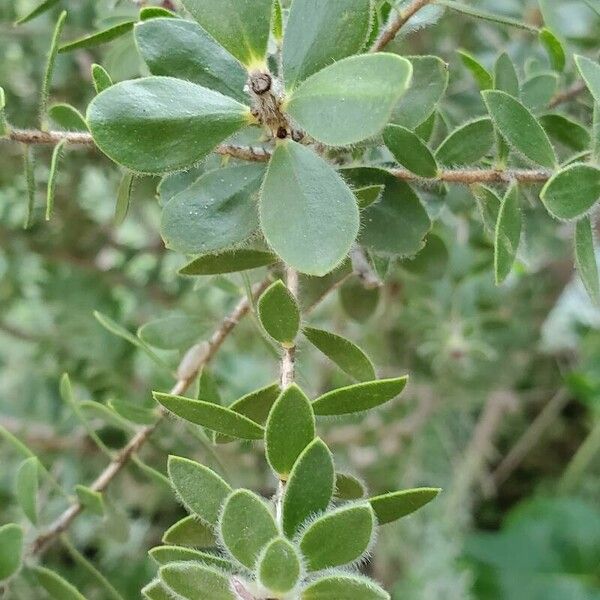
(505, 75)
(279, 313)
(196, 582)
(190, 532)
(230, 261)
(358, 302)
(395, 505)
(99, 38)
(467, 144)
(343, 586)
(410, 151)
(26, 487)
(585, 258)
(368, 195)
(508, 233)
(430, 263)
(155, 12)
(538, 91)
(102, 79)
(566, 131)
(67, 117)
(55, 586)
(279, 566)
(554, 48)
(348, 487)
(481, 75)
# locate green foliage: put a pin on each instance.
(346, 586)
(279, 313)
(395, 505)
(229, 261)
(196, 582)
(26, 487)
(572, 191)
(585, 258)
(11, 550)
(97, 39)
(190, 532)
(279, 566)
(508, 233)
(467, 144)
(410, 151)
(55, 586)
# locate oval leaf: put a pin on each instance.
(101, 78)
(99, 38)
(467, 144)
(230, 261)
(67, 117)
(348, 487)
(164, 555)
(196, 582)
(395, 505)
(279, 566)
(585, 258)
(590, 71)
(279, 313)
(190, 532)
(26, 487)
(56, 587)
(11, 550)
(508, 233)
(348, 587)
(410, 151)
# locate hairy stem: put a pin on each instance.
(288, 361)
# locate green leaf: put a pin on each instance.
(196, 582)
(57, 154)
(572, 192)
(566, 131)
(26, 487)
(279, 313)
(90, 500)
(308, 214)
(246, 526)
(182, 49)
(133, 413)
(485, 15)
(99, 38)
(505, 76)
(199, 488)
(156, 590)
(348, 587)
(430, 263)
(240, 26)
(230, 261)
(41, 8)
(211, 416)
(321, 33)
(489, 205)
(164, 555)
(359, 397)
(11, 550)
(29, 169)
(351, 100)
(554, 49)
(156, 12)
(102, 80)
(395, 505)
(590, 71)
(309, 488)
(358, 302)
(467, 144)
(174, 332)
(339, 537)
(289, 429)
(277, 22)
(208, 390)
(427, 87)
(279, 567)
(520, 128)
(55, 586)
(368, 195)
(190, 532)
(508, 233)
(159, 124)
(410, 151)
(67, 117)
(585, 258)
(49, 70)
(349, 487)
(4, 127)
(124, 197)
(481, 75)
(346, 355)
(538, 91)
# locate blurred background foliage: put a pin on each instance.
(503, 409)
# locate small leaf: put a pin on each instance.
(230, 261)
(131, 412)
(572, 192)
(199, 488)
(321, 33)
(585, 258)
(358, 302)
(240, 26)
(348, 587)
(359, 397)
(90, 499)
(182, 49)
(481, 75)
(505, 75)
(590, 71)
(410, 151)
(101, 78)
(159, 124)
(246, 526)
(196, 582)
(508, 234)
(339, 537)
(279, 567)
(554, 49)
(362, 89)
(156, 12)
(348, 487)
(346, 355)
(26, 487)
(467, 144)
(11, 550)
(164, 555)
(67, 117)
(308, 214)
(124, 197)
(29, 168)
(41, 8)
(190, 532)
(55, 586)
(211, 416)
(49, 70)
(99, 38)
(566, 131)
(395, 505)
(175, 332)
(277, 22)
(279, 313)
(368, 195)
(520, 128)
(538, 91)
(156, 590)
(489, 205)
(57, 154)
(289, 429)
(309, 488)
(430, 263)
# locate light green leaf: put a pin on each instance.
(554, 49)
(508, 233)
(359, 397)
(321, 33)
(11, 550)
(99, 38)
(590, 71)
(199, 488)
(90, 499)
(427, 87)
(182, 49)
(467, 144)
(230, 261)
(102, 80)
(566, 131)
(489, 205)
(190, 532)
(279, 567)
(351, 100)
(410, 151)
(174, 332)
(358, 302)
(279, 313)
(246, 526)
(309, 488)
(485, 15)
(348, 587)
(585, 258)
(26, 487)
(481, 75)
(289, 429)
(211, 416)
(277, 22)
(133, 413)
(240, 26)
(368, 195)
(520, 128)
(539, 90)
(124, 197)
(430, 263)
(345, 354)
(164, 555)
(41, 8)
(156, 12)
(55, 586)
(572, 192)
(505, 75)
(196, 582)
(159, 124)
(395, 505)
(307, 213)
(67, 117)
(156, 590)
(339, 537)
(349, 487)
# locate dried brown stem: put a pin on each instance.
(393, 26)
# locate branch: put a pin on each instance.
(388, 33)
(470, 176)
(196, 358)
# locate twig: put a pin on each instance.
(186, 373)
(470, 176)
(569, 94)
(363, 270)
(288, 360)
(394, 25)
